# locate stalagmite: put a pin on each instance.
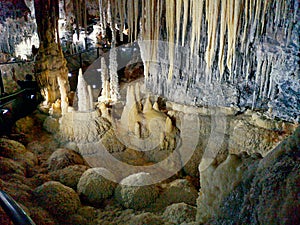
(169, 126)
(104, 78)
(91, 97)
(83, 94)
(147, 106)
(63, 94)
(155, 106)
(137, 129)
(113, 73)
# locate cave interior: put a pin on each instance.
(150, 111)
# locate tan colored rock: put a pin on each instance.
(180, 213)
(146, 218)
(177, 191)
(57, 198)
(25, 125)
(132, 193)
(62, 158)
(96, 185)
(51, 125)
(41, 216)
(10, 166)
(70, 175)
(246, 137)
(217, 181)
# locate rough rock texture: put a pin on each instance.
(178, 191)
(70, 175)
(62, 158)
(131, 195)
(51, 124)
(269, 192)
(180, 213)
(16, 151)
(10, 166)
(94, 187)
(146, 218)
(57, 198)
(41, 216)
(217, 181)
(83, 127)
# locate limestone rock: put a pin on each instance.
(70, 175)
(146, 218)
(251, 138)
(73, 219)
(178, 191)
(111, 142)
(94, 187)
(217, 181)
(83, 127)
(57, 198)
(10, 166)
(179, 213)
(88, 212)
(25, 125)
(51, 124)
(268, 194)
(62, 158)
(132, 194)
(17, 151)
(41, 216)
(10, 148)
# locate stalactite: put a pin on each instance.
(222, 38)
(199, 6)
(136, 19)
(77, 18)
(247, 18)
(100, 16)
(178, 18)
(130, 18)
(122, 16)
(212, 12)
(170, 8)
(185, 19)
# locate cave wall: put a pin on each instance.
(240, 53)
(229, 53)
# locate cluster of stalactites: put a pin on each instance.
(226, 23)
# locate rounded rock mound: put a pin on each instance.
(63, 157)
(180, 213)
(57, 198)
(132, 194)
(96, 185)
